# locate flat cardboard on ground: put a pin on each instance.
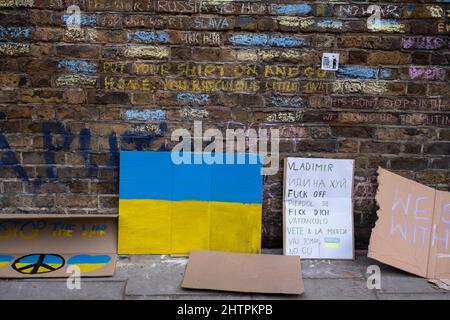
(35, 246)
(413, 228)
(241, 272)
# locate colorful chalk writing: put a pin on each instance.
(85, 20)
(357, 72)
(78, 66)
(287, 101)
(298, 8)
(267, 40)
(427, 73)
(191, 97)
(149, 36)
(14, 33)
(424, 42)
(31, 229)
(145, 115)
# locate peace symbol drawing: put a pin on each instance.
(38, 263)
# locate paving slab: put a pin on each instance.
(159, 277)
(405, 283)
(317, 269)
(154, 275)
(57, 290)
(330, 289)
(413, 296)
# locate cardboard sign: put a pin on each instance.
(47, 245)
(168, 208)
(413, 228)
(318, 208)
(239, 272)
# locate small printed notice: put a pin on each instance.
(330, 61)
(318, 208)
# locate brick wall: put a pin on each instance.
(71, 99)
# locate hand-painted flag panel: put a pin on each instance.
(165, 208)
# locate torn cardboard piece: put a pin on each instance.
(413, 228)
(240, 272)
(35, 246)
(443, 284)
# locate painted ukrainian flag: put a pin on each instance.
(88, 263)
(166, 208)
(5, 260)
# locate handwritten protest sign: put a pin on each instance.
(318, 208)
(412, 232)
(35, 246)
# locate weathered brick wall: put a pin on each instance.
(71, 99)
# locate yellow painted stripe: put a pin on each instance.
(3, 264)
(331, 245)
(177, 227)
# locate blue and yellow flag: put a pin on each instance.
(165, 208)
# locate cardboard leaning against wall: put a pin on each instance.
(412, 232)
(47, 245)
(168, 208)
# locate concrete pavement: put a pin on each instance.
(159, 277)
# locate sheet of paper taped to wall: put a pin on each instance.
(413, 228)
(240, 272)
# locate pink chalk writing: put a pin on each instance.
(427, 73)
(422, 42)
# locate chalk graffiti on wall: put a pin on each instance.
(140, 139)
(424, 42)
(427, 73)
(376, 23)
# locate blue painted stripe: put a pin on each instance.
(267, 40)
(78, 66)
(148, 36)
(85, 20)
(153, 176)
(53, 259)
(34, 259)
(85, 258)
(332, 240)
(6, 258)
(334, 24)
(357, 72)
(299, 8)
